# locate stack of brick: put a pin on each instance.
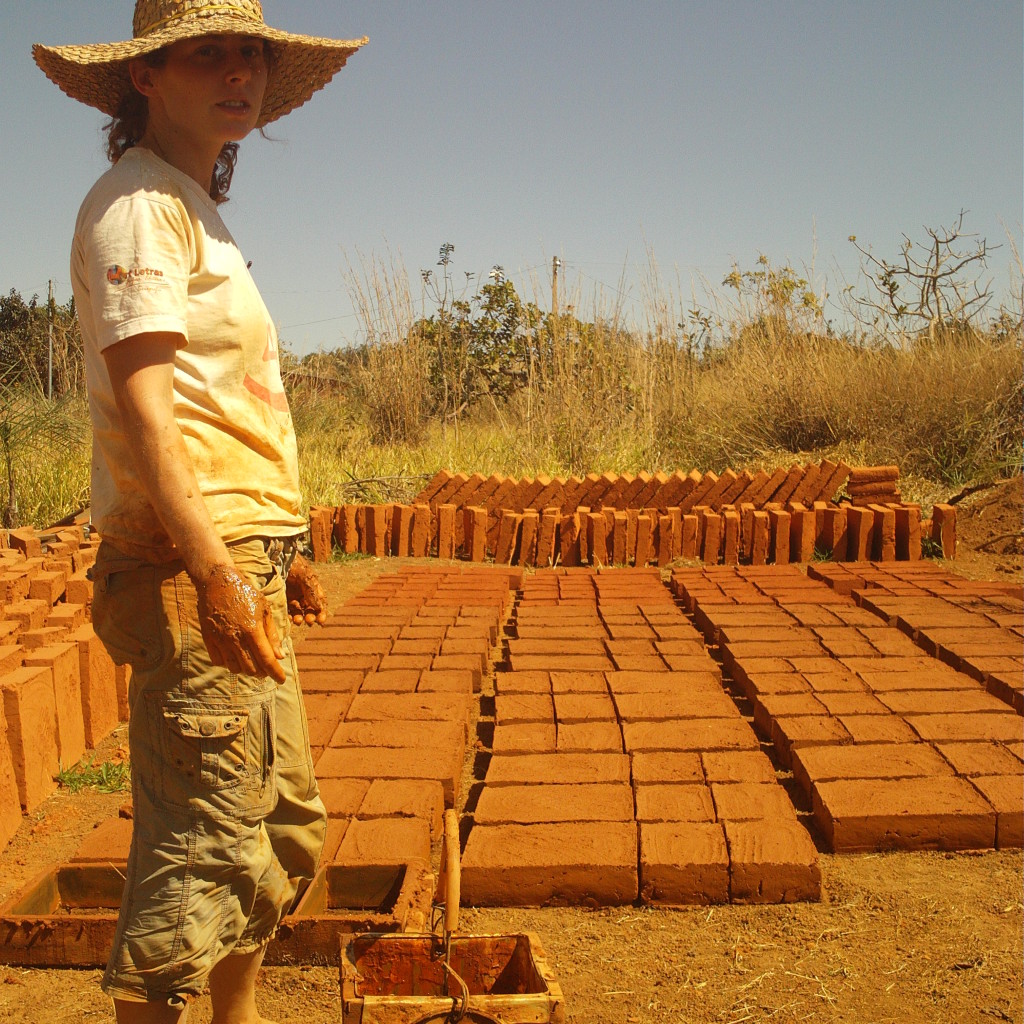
(60, 694)
(789, 516)
(975, 626)
(389, 688)
(874, 485)
(619, 765)
(894, 748)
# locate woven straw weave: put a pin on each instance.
(97, 74)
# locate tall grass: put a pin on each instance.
(757, 380)
(753, 379)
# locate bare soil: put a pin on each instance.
(908, 938)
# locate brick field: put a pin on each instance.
(609, 735)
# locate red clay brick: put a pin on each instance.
(582, 737)
(10, 802)
(394, 763)
(674, 802)
(63, 663)
(979, 758)
(30, 712)
(967, 726)
(694, 734)
(528, 865)
(530, 769)
(99, 688)
(771, 861)
(342, 797)
(529, 805)
(109, 842)
(405, 798)
(525, 738)
(683, 863)
(944, 528)
(906, 814)
(1006, 795)
(385, 840)
(737, 766)
(661, 767)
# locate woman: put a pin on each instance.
(195, 494)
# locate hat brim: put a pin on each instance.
(97, 73)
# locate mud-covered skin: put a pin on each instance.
(307, 602)
(237, 624)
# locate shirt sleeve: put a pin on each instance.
(138, 256)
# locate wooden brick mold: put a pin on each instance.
(825, 510)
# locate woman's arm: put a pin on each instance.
(236, 621)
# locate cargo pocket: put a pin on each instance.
(127, 615)
(222, 756)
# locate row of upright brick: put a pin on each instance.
(60, 693)
(608, 535)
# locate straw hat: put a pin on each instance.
(97, 74)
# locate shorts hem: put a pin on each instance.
(129, 993)
(245, 946)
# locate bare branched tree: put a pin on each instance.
(931, 284)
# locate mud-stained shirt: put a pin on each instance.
(151, 253)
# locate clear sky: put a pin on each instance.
(592, 130)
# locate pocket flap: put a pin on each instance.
(205, 725)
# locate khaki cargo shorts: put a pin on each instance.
(228, 821)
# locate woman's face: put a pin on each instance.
(210, 89)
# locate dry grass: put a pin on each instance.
(754, 379)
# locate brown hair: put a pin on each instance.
(126, 128)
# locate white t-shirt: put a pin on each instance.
(151, 253)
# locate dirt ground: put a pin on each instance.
(898, 937)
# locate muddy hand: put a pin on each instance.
(237, 624)
(307, 602)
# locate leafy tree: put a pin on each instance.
(25, 343)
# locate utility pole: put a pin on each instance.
(555, 264)
(49, 315)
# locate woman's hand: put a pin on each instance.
(307, 602)
(237, 624)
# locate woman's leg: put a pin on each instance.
(233, 989)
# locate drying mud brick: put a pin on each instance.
(644, 540)
(883, 539)
(801, 534)
(430, 763)
(683, 863)
(531, 865)
(1005, 794)
(342, 797)
(903, 814)
(759, 537)
(475, 529)
(401, 531)
(944, 528)
(779, 522)
(405, 798)
(575, 769)
(108, 842)
(711, 537)
(446, 531)
(814, 764)
(10, 801)
(439, 480)
(547, 538)
(528, 531)
(771, 861)
(508, 537)
(420, 539)
(833, 533)
(377, 841)
(63, 663)
(829, 488)
(557, 802)
(31, 732)
(597, 539)
(908, 533)
(321, 529)
(861, 475)
(667, 802)
(569, 539)
(860, 524)
(99, 687)
(688, 537)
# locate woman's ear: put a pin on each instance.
(141, 75)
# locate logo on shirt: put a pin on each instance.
(118, 275)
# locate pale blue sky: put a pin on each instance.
(705, 132)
